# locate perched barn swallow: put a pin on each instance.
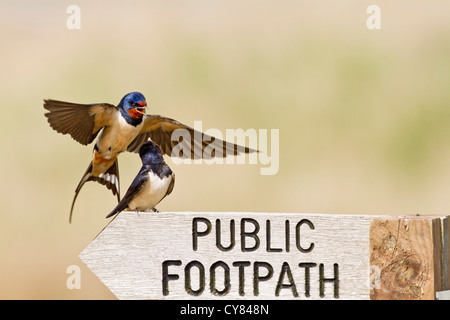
(124, 127)
(153, 183)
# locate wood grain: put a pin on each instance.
(407, 253)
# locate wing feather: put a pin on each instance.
(81, 121)
(135, 187)
(159, 129)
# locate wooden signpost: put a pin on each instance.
(224, 255)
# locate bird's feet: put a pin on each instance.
(155, 210)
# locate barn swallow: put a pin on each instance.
(153, 183)
(124, 127)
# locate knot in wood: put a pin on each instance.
(407, 275)
(407, 271)
(390, 242)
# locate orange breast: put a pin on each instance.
(101, 164)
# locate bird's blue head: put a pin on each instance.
(150, 153)
(133, 107)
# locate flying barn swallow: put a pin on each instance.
(153, 183)
(120, 128)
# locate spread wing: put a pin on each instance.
(81, 121)
(168, 133)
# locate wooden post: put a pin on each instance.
(407, 254)
(243, 255)
(445, 253)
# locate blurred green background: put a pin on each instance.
(364, 115)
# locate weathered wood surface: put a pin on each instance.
(406, 252)
(194, 255)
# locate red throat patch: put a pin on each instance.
(135, 114)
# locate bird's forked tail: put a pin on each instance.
(110, 179)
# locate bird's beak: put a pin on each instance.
(142, 107)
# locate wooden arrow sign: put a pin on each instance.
(222, 255)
